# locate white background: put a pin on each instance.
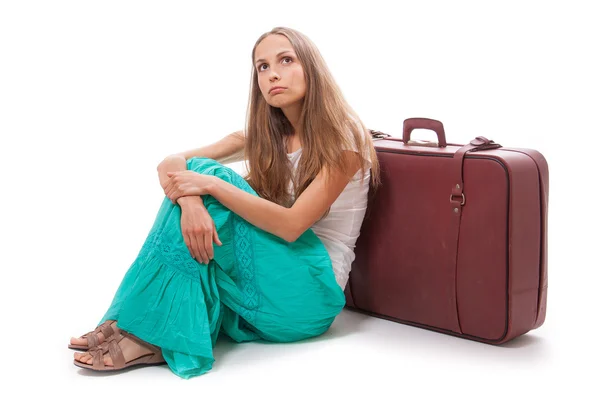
(93, 95)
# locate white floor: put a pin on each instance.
(359, 356)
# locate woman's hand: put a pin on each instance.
(188, 183)
(199, 231)
(174, 162)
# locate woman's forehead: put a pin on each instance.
(273, 44)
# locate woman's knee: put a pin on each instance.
(208, 166)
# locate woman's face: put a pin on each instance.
(276, 64)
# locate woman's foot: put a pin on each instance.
(131, 350)
(83, 341)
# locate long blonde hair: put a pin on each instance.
(324, 123)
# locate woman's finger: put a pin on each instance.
(173, 195)
(193, 249)
(216, 235)
(208, 246)
(199, 237)
(188, 243)
(169, 185)
(197, 250)
(172, 187)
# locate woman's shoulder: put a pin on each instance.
(357, 126)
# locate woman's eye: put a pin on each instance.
(261, 65)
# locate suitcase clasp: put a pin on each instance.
(463, 199)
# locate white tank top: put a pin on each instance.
(341, 228)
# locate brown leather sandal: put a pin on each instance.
(112, 347)
(92, 336)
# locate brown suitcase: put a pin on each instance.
(455, 238)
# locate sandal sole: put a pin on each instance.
(138, 362)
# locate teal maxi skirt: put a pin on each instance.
(257, 287)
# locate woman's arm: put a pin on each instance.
(262, 213)
(175, 163)
(227, 150)
(287, 223)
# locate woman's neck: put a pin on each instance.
(293, 143)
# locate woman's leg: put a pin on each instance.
(257, 286)
(169, 299)
(270, 289)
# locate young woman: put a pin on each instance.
(285, 232)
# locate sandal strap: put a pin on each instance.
(92, 340)
(97, 328)
(107, 331)
(113, 349)
(111, 346)
(92, 336)
(116, 354)
(97, 354)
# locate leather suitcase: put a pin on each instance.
(455, 239)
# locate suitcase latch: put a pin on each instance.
(463, 199)
(457, 192)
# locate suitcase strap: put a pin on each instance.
(457, 197)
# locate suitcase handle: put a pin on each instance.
(424, 123)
